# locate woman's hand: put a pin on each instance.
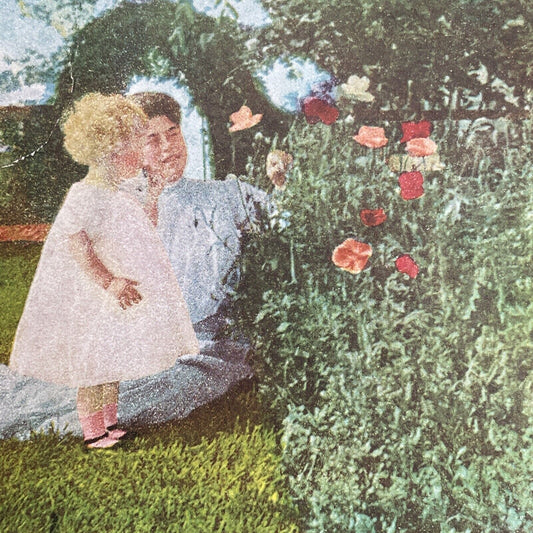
(124, 290)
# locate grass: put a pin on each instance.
(216, 471)
(17, 265)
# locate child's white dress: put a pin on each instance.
(72, 331)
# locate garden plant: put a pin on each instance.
(392, 317)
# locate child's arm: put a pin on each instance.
(123, 289)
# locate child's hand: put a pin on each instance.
(124, 291)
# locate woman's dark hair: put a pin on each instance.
(158, 104)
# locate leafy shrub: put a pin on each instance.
(406, 403)
(433, 52)
(35, 172)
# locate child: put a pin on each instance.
(104, 305)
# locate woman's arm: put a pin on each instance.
(123, 289)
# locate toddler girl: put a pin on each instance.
(104, 305)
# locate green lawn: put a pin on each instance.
(217, 470)
(17, 265)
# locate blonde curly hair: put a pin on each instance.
(97, 124)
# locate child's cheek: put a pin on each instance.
(133, 161)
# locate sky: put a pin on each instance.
(20, 34)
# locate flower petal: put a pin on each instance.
(357, 88)
(277, 165)
(243, 119)
(407, 163)
(316, 109)
(421, 147)
(371, 137)
(351, 255)
(412, 130)
(406, 265)
(372, 217)
(411, 185)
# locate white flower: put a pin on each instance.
(515, 23)
(357, 88)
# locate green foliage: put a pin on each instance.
(406, 403)
(218, 470)
(36, 172)
(172, 40)
(413, 51)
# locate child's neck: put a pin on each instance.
(99, 177)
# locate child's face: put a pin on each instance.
(127, 158)
(164, 151)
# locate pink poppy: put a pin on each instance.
(411, 185)
(371, 137)
(316, 110)
(406, 265)
(243, 119)
(372, 217)
(413, 130)
(351, 255)
(421, 147)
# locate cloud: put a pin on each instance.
(250, 12)
(287, 81)
(22, 34)
(30, 94)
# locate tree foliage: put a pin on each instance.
(173, 41)
(416, 53)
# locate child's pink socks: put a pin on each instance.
(110, 420)
(94, 431)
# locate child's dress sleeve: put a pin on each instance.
(80, 211)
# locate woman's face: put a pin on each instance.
(164, 150)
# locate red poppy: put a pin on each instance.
(411, 185)
(316, 110)
(351, 255)
(412, 130)
(406, 265)
(372, 217)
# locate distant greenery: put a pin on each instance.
(406, 403)
(414, 52)
(437, 55)
(35, 172)
(217, 470)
